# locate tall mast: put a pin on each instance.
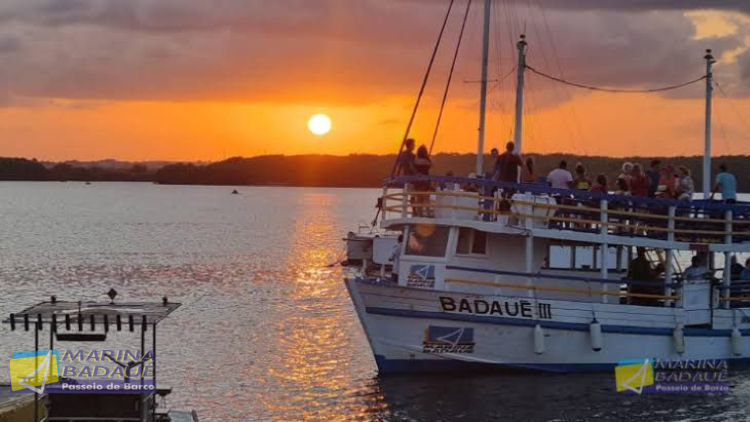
(483, 86)
(707, 152)
(520, 69)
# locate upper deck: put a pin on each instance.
(566, 214)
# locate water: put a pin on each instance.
(266, 331)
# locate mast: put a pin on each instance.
(483, 86)
(520, 69)
(707, 151)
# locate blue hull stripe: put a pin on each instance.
(394, 366)
(622, 329)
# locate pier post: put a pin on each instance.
(405, 201)
(726, 293)
(669, 258)
(604, 249)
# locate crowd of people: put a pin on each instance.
(665, 182)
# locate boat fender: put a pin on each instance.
(736, 341)
(538, 339)
(595, 332)
(678, 335)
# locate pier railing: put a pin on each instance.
(697, 222)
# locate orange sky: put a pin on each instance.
(111, 116)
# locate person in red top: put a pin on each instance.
(507, 165)
(639, 184)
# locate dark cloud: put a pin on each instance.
(338, 50)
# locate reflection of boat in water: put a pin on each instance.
(481, 282)
(125, 391)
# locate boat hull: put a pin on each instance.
(417, 330)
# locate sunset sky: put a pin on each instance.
(205, 80)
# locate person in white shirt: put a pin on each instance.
(396, 257)
(560, 178)
(697, 272)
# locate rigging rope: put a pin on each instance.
(450, 77)
(421, 90)
(731, 104)
(615, 90)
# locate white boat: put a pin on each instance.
(482, 288)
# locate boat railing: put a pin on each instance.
(695, 222)
(630, 291)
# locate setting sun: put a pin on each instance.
(319, 124)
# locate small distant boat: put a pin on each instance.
(88, 183)
(234, 192)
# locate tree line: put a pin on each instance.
(356, 170)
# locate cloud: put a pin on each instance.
(337, 51)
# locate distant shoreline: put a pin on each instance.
(324, 171)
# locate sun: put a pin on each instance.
(319, 124)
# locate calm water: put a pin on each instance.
(266, 331)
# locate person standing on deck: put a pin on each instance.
(653, 175)
(627, 172)
(528, 175)
(642, 272)
(685, 185)
(560, 178)
(639, 184)
(581, 181)
(507, 164)
(492, 174)
(406, 159)
(727, 184)
(697, 271)
(422, 165)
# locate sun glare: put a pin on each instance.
(319, 124)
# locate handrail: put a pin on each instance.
(579, 208)
(399, 208)
(538, 189)
(560, 289)
(560, 277)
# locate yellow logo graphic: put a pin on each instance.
(634, 375)
(33, 370)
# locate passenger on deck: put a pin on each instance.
(406, 159)
(507, 164)
(581, 181)
(528, 175)
(653, 175)
(627, 170)
(422, 164)
(697, 271)
(601, 185)
(685, 186)
(621, 187)
(639, 184)
(641, 271)
(667, 183)
(745, 274)
(492, 174)
(735, 268)
(560, 178)
(726, 184)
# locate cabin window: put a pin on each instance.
(471, 242)
(427, 240)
